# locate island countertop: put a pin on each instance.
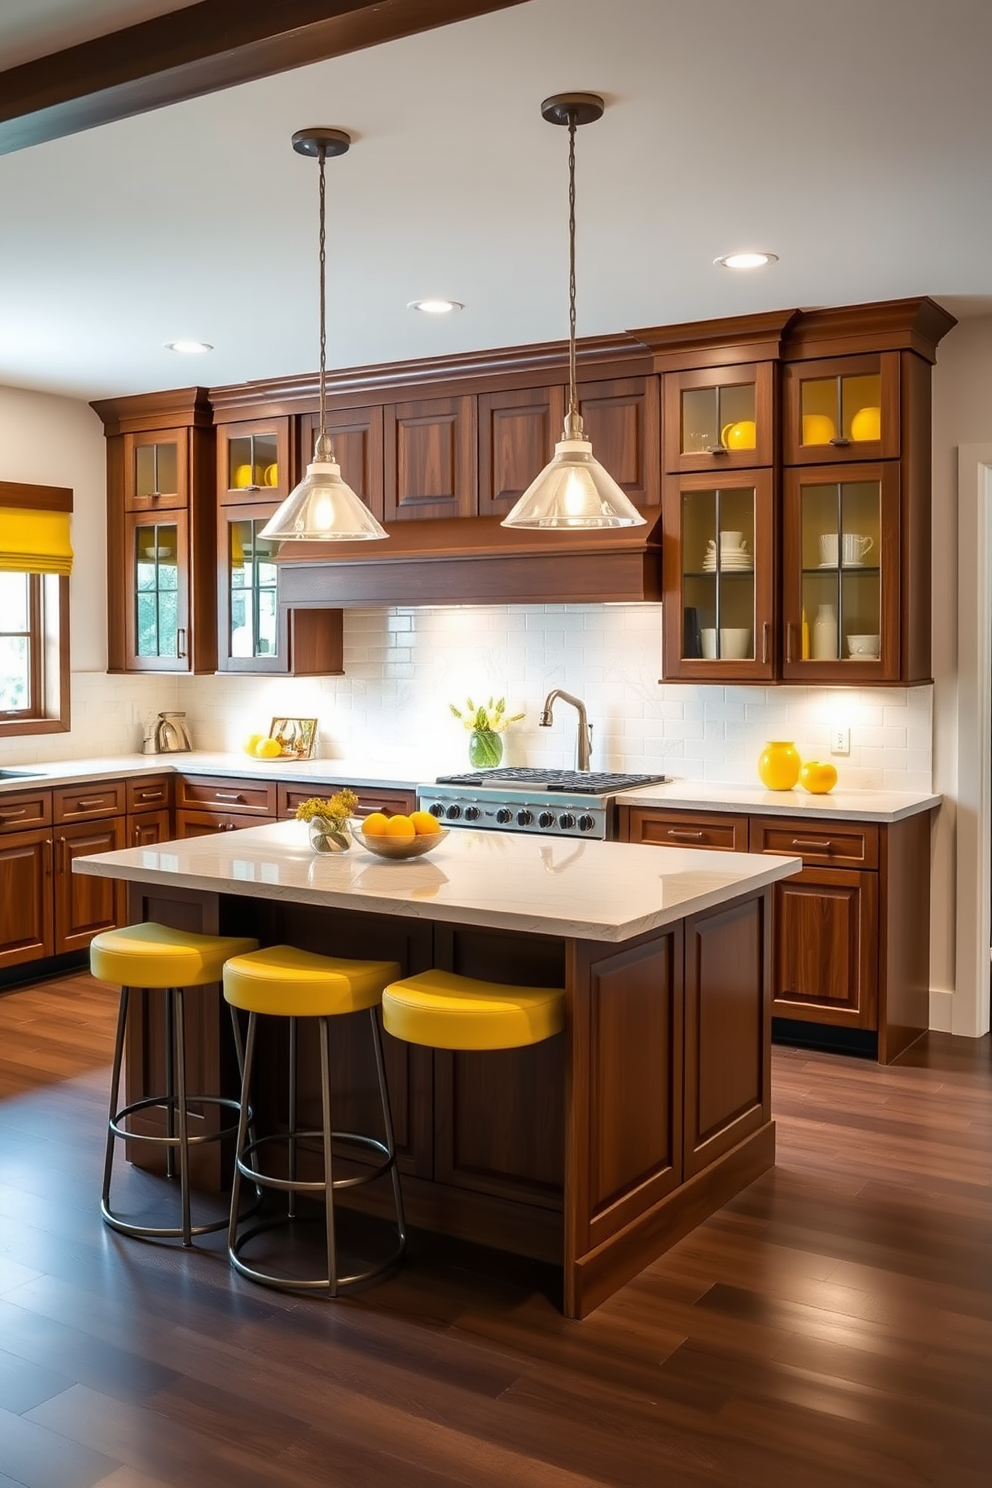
(603, 891)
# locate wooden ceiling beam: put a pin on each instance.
(201, 49)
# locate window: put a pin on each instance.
(34, 609)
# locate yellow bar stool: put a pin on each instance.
(139, 958)
(446, 1011)
(285, 982)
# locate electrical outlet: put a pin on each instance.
(840, 742)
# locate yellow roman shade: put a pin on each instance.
(34, 541)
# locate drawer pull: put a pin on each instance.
(680, 834)
(220, 795)
(150, 795)
(805, 846)
(13, 815)
(90, 805)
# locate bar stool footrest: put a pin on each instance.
(284, 1283)
(316, 1185)
(166, 1102)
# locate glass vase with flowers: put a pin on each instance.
(486, 723)
(329, 820)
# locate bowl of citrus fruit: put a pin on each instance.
(400, 836)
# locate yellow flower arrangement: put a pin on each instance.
(336, 808)
(487, 718)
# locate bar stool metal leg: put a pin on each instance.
(387, 1121)
(115, 1093)
(325, 1106)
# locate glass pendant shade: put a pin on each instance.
(574, 491)
(323, 508)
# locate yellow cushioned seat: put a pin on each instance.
(154, 955)
(446, 1011)
(291, 983)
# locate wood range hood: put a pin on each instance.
(473, 560)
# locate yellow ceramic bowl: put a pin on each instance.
(401, 847)
(270, 475)
(818, 428)
(740, 436)
(241, 479)
(866, 424)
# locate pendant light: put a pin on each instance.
(323, 507)
(573, 491)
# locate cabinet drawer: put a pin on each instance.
(86, 802)
(832, 844)
(149, 793)
(204, 823)
(20, 812)
(686, 829)
(369, 799)
(255, 799)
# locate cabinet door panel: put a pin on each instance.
(517, 435)
(826, 947)
(156, 592)
(149, 793)
(622, 418)
(253, 461)
(86, 905)
(369, 799)
(727, 1046)
(156, 470)
(205, 823)
(149, 827)
(719, 418)
(26, 918)
(431, 459)
(357, 435)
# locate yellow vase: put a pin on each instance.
(779, 765)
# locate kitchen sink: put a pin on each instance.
(20, 774)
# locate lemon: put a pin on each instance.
(268, 749)
(252, 741)
(375, 824)
(400, 826)
(424, 824)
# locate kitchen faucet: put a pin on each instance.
(584, 740)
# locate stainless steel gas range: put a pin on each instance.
(556, 803)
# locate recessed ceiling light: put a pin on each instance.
(746, 260)
(435, 306)
(189, 348)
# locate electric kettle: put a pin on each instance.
(171, 734)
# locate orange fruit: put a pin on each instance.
(424, 824)
(375, 824)
(400, 826)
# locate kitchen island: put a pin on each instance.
(596, 1150)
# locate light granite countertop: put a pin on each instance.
(605, 891)
(683, 795)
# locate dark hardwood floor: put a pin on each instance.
(831, 1326)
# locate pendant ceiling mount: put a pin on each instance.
(310, 141)
(573, 491)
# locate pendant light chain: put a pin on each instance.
(573, 404)
(322, 432)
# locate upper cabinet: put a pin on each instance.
(518, 431)
(843, 408)
(356, 434)
(719, 418)
(253, 461)
(161, 570)
(622, 418)
(430, 462)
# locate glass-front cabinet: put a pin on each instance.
(718, 418)
(248, 632)
(253, 460)
(156, 470)
(157, 616)
(718, 560)
(842, 408)
(842, 574)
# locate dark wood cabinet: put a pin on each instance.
(719, 418)
(357, 435)
(430, 459)
(370, 798)
(84, 905)
(156, 470)
(851, 931)
(27, 906)
(149, 810)
(518, 430)
(843, 408)
(254, 460)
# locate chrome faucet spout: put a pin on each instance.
(584, 737)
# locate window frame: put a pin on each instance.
(49, 620)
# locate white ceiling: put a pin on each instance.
(852, 138)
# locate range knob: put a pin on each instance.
(453, 813)
(436, 809)
(566, 821)
(546, 819)
(587, 823)
(504, 815)
(472, 813)
(524, 818)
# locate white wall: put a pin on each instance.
(50, 441)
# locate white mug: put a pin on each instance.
(856, 548)
(733, 541)
(828, 549)
(863, 645)
(735, 644)
(707, 638)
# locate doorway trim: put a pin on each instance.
(973, 856)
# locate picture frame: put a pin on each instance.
(296, 736)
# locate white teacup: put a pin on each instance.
(863, 645)
(733, 541)
(735, 643)
(828, 549)
(855, 549)
(707, 639)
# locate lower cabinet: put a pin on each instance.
(370, 798)
(851, 930)
(27, 906)
(83, 905)
(208, 804)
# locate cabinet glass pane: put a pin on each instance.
(718, 574)
(156, 470)
(252, 460)
(718, 418)
(846, 408)
(252, 585)
(156, 589)
(840, 526)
